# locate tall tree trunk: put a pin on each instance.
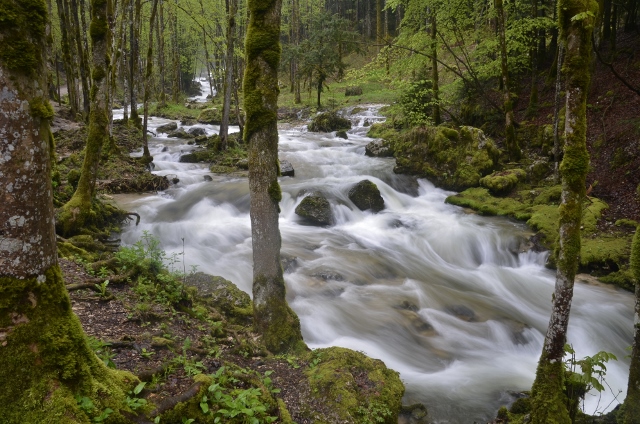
(161, 68)
(513, 149)
(44, 357)
(632, 401)
(548, 404)
(434, 70)
(231, 6)
(134, 31)
(77, 211)
(272, 316)
(295, 23)
(147, 83)
(65, 25)
(533, 94)
(84, 79)
(379, 28)
(175, 55)
(556, 114)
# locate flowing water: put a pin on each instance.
(448, 299)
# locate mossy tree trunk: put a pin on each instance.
(134, 34)
(513, 149)
(548, 400)
(77, 211)
(231, 7)
(632, 401)
(45, 361)
(273, 318)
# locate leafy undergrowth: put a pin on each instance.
(188, 338)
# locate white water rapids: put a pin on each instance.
(440, 295)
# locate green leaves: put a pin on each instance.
(592, 368)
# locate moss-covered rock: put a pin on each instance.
(378, 149)
(365, 195)
(327, 122)
(362, 390)
(180, 133)
(316, 210)
(213, 116)
(452, 159)
(501, 183)
(167, 128)
(223, 295)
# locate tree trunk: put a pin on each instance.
(272, 316)
(231, 6)
(161, 68)
(65, 25)
(147, 83)
(556, 114)
(632, 401)
(134, 23)
(77, 211)
(80, 60)
(434, 70)
(45, 361)
(548, 404)
(379, 28)
(295, 23)
(509, 122)
(533, 95)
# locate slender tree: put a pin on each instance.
(148, 75)
(231, 7)
(272, 316)
(509, 121)
(632, 401)
(434, 68)
(45, 361)
(77, 211)
(575, 20)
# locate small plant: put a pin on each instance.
(147, 354)
(315, 361)
(102, 288)
(133, 401)
(102, 351)
(89, 408)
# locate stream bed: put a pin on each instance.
(452, 300)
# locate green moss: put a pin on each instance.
(22, 25)
(44, 359)
(98, 29)
(452, 159)
(548, 400)
(502, 182)
(327, 122)
(41, 108)
(629, 223)
(360, 389)
(275, 192)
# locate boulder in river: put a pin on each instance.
(502, 182)
(365, 195)
(286, 169)
(197, 131)
(378, 149)
(180, 133)
(342, 134)
(316, 210)
(167, 128)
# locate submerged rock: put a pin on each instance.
(166, 128)
(365, 195)
(378, 149)
(197, 131)
(342, 134)
(327, 122)
(286, 169)
(316, 210)
(413, 414)
(180, 133)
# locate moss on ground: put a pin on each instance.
(364, 390)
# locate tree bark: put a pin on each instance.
(548, 403)
(632, 401)
(272, 316)
(147, 83)
(80, 60)
(513, 149)
(66, 43)
(134, 31)
(437, 120)
(231, 6)
(44, 358)
(77, 211)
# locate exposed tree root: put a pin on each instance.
(171, 402)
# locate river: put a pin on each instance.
(447, 298)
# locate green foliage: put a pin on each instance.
(132, 400)
(227, 401)
(417, 102)
(102, 351)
